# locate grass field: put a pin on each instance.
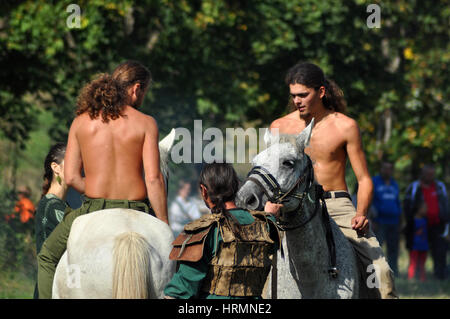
(18, 285)
(431, 288)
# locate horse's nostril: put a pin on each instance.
(251, 200)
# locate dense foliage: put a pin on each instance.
(224, 62)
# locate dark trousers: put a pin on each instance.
(438, 248)
(389, 234)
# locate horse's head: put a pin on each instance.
(283, 162)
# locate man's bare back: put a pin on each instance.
(112, 153)
(115, 143)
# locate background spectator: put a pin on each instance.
(183, 209)
(386, 212)
(433, 192)
(418, 253)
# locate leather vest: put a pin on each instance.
(243, 259)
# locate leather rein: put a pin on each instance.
(276, 195)
(279, 196)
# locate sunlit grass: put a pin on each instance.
(431, 288)
(14, 285)
(18, 285)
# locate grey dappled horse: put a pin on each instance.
(117, 253)
(305, 270)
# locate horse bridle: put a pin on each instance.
(279, 196)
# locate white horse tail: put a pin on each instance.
(131, 273)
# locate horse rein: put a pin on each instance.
(278, 196)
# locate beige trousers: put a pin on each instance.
(376, 271)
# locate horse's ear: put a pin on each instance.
(166, 144)
(305, 136)
(270, 138)
(267, 136)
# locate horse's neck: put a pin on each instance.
(307, 245)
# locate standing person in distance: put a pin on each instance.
(52, 206)
(387, 210)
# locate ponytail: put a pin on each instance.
(103, 95)
(222, 184)
(47, 182)
(56, 154)
(219, 203)
(334, 97)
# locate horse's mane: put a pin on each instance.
(288, 138)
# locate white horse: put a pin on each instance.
(306, 270)
(117, 253)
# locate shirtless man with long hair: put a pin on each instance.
(114, 143)
(335, 137)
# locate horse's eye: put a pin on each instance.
(289, 163)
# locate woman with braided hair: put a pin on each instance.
(226, 254)
(50, 209)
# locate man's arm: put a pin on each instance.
(365, 185)
(73, 163)
(154, 179)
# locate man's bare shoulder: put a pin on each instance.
(80, 120)
(345, 124)
(140, 117)
(148, 122)
(282, 120)
(151, 123)
(290, 123)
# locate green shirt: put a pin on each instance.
(187, 281)
(49, 213)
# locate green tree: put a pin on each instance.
(224, 62)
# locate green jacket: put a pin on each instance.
(49, 214)
(187, 281)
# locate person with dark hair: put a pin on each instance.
(336, 137)
(427, 189)
(182, 209)
(386, 208)
(226, 254)
(113, 143)
(51, 207)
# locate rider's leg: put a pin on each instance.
(55, 245)
(380, 279)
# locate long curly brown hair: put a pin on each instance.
(103, 95)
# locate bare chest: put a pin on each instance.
(326, 145)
